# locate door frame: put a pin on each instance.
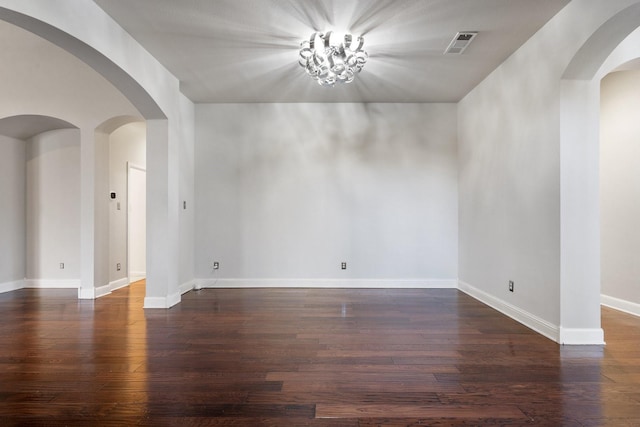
(130, 166)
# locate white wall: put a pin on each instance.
(289, 191)
(126, 144)
(12, 213)
(101, 230)
(187, 194)
(517, 168)
(53, 207)
(620, 185)
(510, 184)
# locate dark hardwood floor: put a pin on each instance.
(298, 357)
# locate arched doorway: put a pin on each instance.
(40, 221)
(609, 46)
(620, 188)
(105, 47)
(122, 143)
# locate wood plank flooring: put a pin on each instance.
(303, 357)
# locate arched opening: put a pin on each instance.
(124, 82)
(620, 188)
(579, 171)
(122, 142)
(40, 171)
(107, 49)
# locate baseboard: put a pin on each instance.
(575, 336)
(86, 293)
(326, 283)
(100, 291)
(187, 286)
(52, 284)
(134, 276)
(529, 320)
(11, 286)
(620, 305)
(155, 302)
(93, 293)
(174, 299)
(162, 302)
(117, 284)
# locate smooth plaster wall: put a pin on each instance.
(12, 215)
(509, 181)
(510, 176)
(509, 188)
(101, 230)
(126, 144)
(620, 185)
(53, 206)
(289, 191)
(187, 194)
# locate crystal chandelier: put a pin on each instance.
(330, 59)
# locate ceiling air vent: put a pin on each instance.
(460, 42)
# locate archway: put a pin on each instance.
(98, 41)
(579, 174)
(40, 221)
(122, 141)
(619, 188)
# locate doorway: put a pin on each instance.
(127, 223)
(620, 190)
(136, 223)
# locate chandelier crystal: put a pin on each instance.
(330, 59)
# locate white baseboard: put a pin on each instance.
(529, 320)
(117, 284)
(86, 293)
(620, 305)
(187, 286)
(100, 291)
(52, 284)
(162, 302)
(326, 283)
(575, 336)
(93, 293)
(103, 290)
(155, 302)
(174, 299)
(134, 276)
(11, 286)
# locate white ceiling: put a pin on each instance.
(247, 50)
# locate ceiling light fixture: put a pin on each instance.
(330, 59)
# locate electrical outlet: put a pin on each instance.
(510, 285)
(216, 265)
(62, 266)
(118, 266)
(343, 266)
